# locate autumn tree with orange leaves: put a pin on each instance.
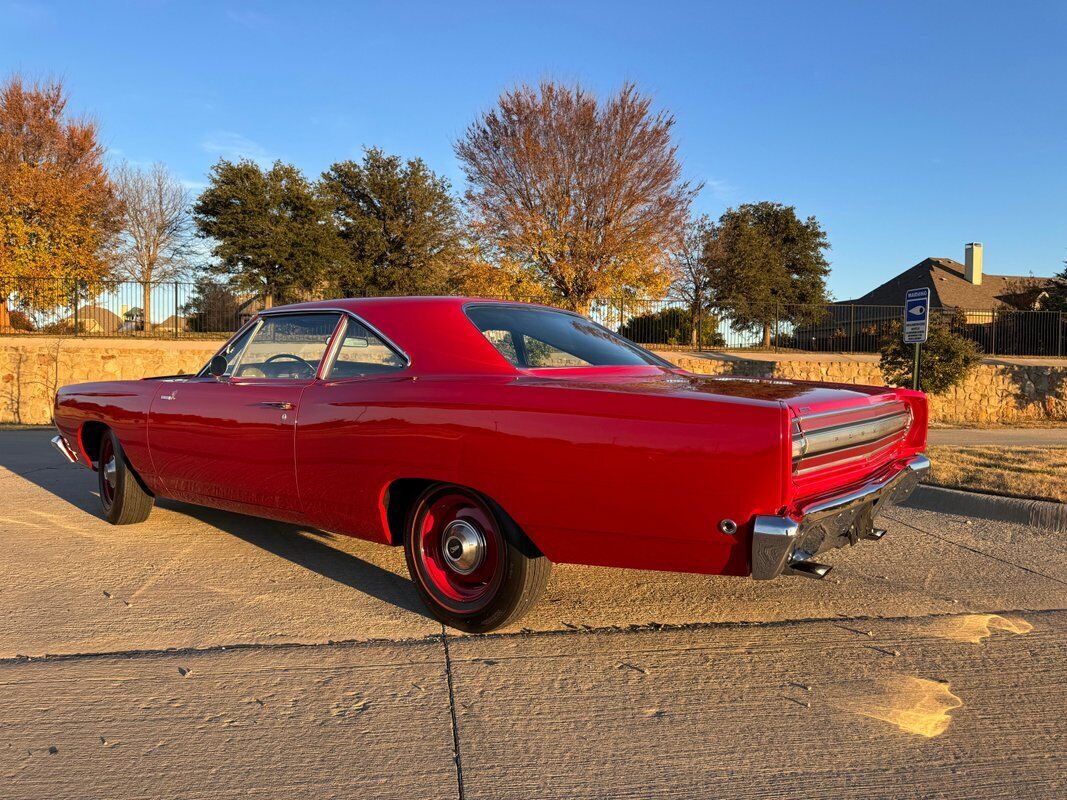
(584, 194)
(58, 210)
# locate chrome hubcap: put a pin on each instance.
(111, 472)
(463, 546)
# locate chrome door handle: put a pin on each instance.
(282, 405)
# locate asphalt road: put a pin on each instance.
(204, 654)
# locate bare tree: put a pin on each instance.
(587, 195)
(157, 229)
(691, 262)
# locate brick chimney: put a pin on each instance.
(973, 263)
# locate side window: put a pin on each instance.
(505, 344)
(363, 353)
(232, 352)
(287, 346)
(542, 354)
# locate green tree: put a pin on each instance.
(398, 224)
(767, 263)
(272, 233)
(213, 307)
(946, 358)
(1057, 293)
(673, 326)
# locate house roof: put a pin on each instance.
(950, 289)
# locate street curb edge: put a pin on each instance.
(1037, 513)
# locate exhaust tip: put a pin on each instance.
(809, 569)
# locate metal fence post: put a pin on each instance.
(852, 329)
(177, 288)
(700, 328)
(777, 319)
(993, 334)
(76, 326)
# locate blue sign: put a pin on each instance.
(916, 315)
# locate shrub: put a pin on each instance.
(945, 360)
(671, 326)
(19, 320)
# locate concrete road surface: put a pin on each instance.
(204, 654)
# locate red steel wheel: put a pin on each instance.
(472, 566)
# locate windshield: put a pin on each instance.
(536, 338)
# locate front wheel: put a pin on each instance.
(473, 567)
(122, 497)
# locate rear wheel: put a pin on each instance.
(122, 497)
(473, 567)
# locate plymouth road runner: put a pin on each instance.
(492, 439)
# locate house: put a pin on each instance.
(979, 306)
(89, 319)
(961, 286)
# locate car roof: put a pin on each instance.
(433, 332)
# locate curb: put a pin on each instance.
(1037, 513)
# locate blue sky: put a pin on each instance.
(908, 129)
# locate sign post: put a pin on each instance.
(916, 325)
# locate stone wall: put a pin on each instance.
(996, 391)
(33, 367)
(999, 391)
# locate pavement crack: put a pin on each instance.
(452, 709)
(975, 550)
(632, 630)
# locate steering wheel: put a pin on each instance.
(310, 368)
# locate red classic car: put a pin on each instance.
(492, 439)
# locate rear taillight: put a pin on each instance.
(826, 439)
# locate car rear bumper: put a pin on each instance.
(786, 544)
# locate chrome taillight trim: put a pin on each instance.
(883, 429)
(842, 437)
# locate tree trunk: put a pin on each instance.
(146, 307)
(767, 339)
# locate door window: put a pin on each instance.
(287, 346)
(363, 353)
(232, 352)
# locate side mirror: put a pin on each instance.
(217, 367)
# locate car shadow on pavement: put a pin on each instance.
(29, 455)
(308, 548)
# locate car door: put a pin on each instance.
(229, 440)
(345, 416)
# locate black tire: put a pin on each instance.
(123, 499)
(447, 526)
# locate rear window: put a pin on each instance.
(537, 338)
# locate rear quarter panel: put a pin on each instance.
(122, 406)
(592, 476)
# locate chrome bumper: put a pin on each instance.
(783, 545)
(60, 444)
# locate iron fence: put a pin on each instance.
(179, 309)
